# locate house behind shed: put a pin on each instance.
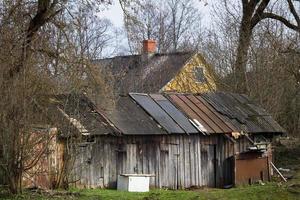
(183, 140)
(152, 72)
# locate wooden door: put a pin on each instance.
(208, 165)
(174, 165)
(212, 165)
(168, 169)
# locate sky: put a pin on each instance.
(115, 14)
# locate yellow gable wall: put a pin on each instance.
(185, 81)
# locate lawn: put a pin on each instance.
(270, 191)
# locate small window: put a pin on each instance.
(199, 75)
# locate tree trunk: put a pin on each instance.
(15, 183)
(240, 80)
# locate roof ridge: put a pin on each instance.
(137, 55)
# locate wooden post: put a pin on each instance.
(284, 179)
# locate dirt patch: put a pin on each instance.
(152, 196)
(52, 193)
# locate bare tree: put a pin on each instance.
(272, 61)
(272, 76)
(171, 23)
(45, 11)
(253, 12)
(38, 45)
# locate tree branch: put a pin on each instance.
(45, 12)
(37, 157)
(257, 16)
(294, 12)
(286, 22)
(244, 4)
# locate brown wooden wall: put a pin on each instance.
(46, 171)
(177, 161)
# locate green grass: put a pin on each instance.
(270, 191)
(256, 192)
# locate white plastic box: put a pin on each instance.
(134, 182)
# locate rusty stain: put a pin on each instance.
(226, 127)
(189, 111)
(196, 108)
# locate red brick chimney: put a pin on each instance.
(149, 46)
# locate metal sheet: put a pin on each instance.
(221, 103)
(210, 113)
(218, 119)
(174, 113)
(253, 115)
(257, 109)
(132, 120)
(213, 116)
(212, 99)
(157, 113)
(274, 124)
(185, 106)
(252, 169)
(239, 111)
(194, 103)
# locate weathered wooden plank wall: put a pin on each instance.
(177, 161)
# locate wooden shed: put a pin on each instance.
(183, 140)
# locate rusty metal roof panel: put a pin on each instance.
(215, 116)
(155, 111)
(202, 111)
(182, 102)
(174, 113)
(197, 108)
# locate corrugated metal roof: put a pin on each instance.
(244, 114)
(131, 119)
(174, 113)
(217, 112)
(200, 111)
(154, 109)
(149, 114)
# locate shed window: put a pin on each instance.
(199, 75)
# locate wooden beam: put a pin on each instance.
(284, 179)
